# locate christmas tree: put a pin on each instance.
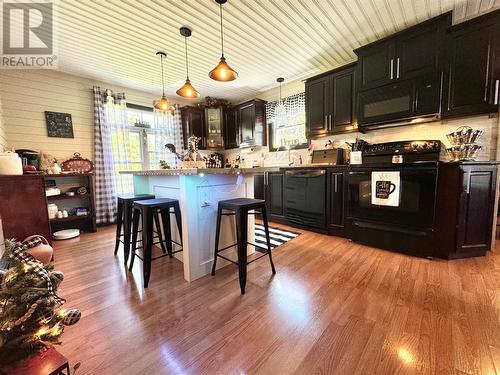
(31, 313)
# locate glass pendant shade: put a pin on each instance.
(223, 72)
(163, 105)
(280, 108)
(188, 91)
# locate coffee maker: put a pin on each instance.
(29, 157)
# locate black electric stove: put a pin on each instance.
(405, 222)
(402, 152)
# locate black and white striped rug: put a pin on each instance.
(278, 236)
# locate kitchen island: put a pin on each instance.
(198, 191)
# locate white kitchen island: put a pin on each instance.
(198, 191)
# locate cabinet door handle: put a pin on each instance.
(392, 68)
(326, 121)
(335, 180)
(397, 68)
(497, 82)
(330, 121)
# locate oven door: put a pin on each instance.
(417, 197)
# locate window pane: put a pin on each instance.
(135, 147)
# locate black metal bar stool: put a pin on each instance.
(240, 208)
(149, 210)
(124, 219)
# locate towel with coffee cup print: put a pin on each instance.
(386, 188)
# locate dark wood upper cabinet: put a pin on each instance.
(251, 123)
(407, 54)
(472, 71)
(330, 102)
(342, 100)
(317, 106)
(230, 131)
(193, 123)
(376, 65)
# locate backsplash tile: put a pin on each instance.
(433, 130)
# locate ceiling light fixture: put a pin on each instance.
(222, 72)
(280, 107)
(187, 90)
(163, 105)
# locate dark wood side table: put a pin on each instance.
(48, 362)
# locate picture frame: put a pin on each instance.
(59, 125)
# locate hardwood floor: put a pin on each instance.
(333, 307)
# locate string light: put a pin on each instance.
(41, 332)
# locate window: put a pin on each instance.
(287, 129)
(138, 138)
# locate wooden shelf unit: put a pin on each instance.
(66, 182)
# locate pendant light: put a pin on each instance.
(222, 72)
(280, 107)
(163, 105)
(187, 90)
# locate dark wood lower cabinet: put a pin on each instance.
(336, 200)
(465, 206)
(23, 207)
(275, 195)
(465, 209)
(270, 186)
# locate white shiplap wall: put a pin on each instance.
(3, 138)
(27, 94)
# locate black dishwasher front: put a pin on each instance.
(305, 197)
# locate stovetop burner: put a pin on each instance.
(402, 152)
(403, 147)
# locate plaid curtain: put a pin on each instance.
(104, 171)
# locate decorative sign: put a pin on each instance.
(386, 188)
(77, 164)
(59, 124)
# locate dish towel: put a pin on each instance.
(386, 188)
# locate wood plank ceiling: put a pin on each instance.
(116, 40)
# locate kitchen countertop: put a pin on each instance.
(193, 171)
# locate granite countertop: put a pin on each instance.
(193, 171)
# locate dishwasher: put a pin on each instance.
(305, 198)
